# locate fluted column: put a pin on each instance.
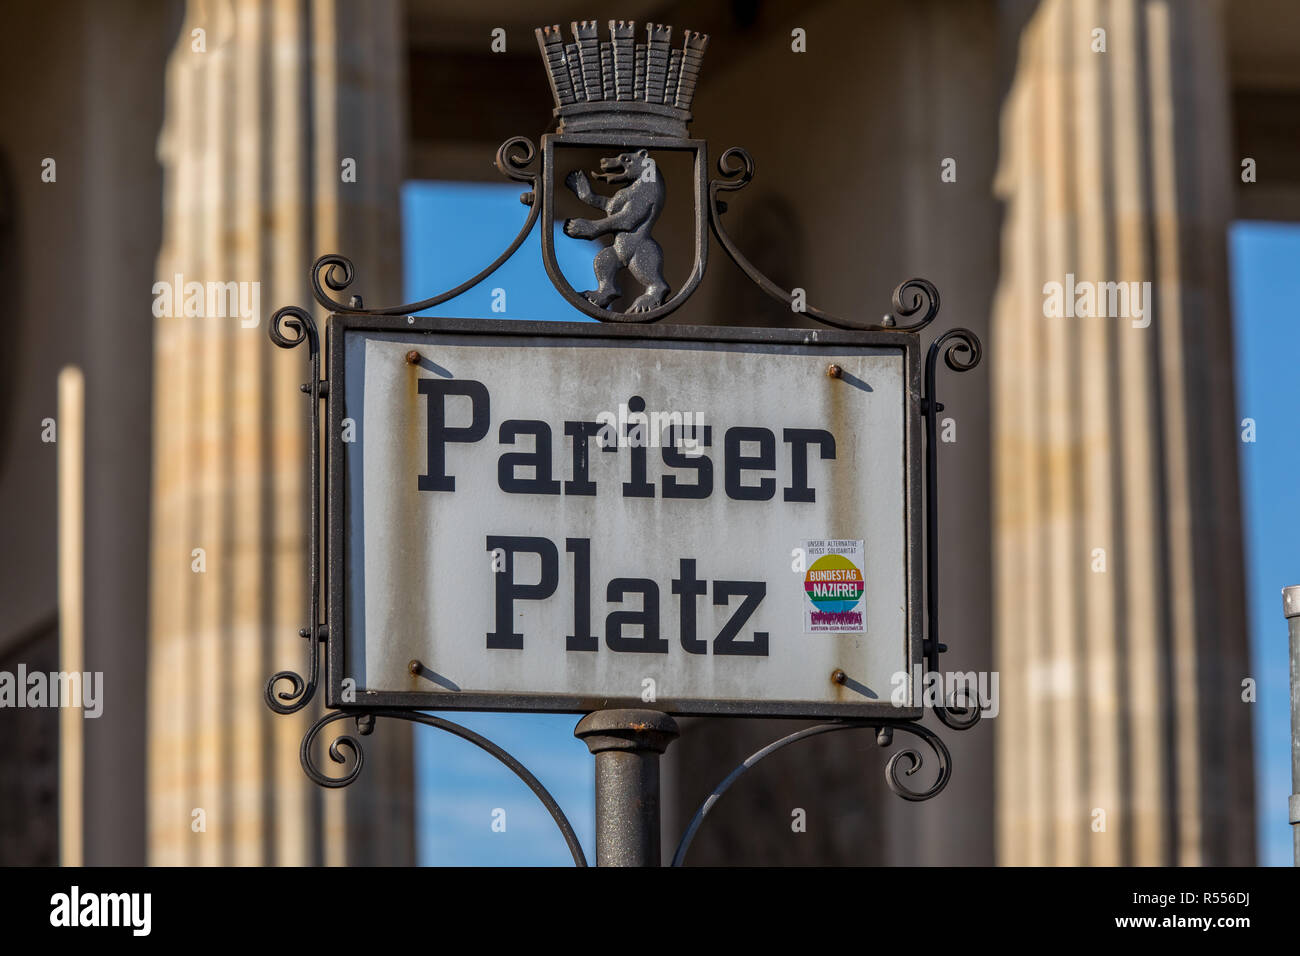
(1119, 622)
(258, 123)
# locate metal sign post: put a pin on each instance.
(623, 519)
(1291, 608)
(627, 745)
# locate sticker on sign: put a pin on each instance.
(560, 518)
(834, 587)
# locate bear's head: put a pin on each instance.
(623, 168)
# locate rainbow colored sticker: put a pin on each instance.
(834, 586)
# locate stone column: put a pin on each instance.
(1119, 622)
(264, 105)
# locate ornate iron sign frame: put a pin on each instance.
(336, 546)
(634, 98)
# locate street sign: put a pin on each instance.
(622, 519)
(572, 516)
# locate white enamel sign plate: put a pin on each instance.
(699, 520)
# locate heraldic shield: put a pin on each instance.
(625, 105)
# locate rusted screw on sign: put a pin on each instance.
(834, 371)
(415, 667)
(413, 357)
(839, 676)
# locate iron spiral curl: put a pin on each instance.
(917, 296)
(961, 716)
(963, 350)
(513, 158)
(737, 166)
(337, 746)
(915, 762)
(323, 275)
(301, 691)
(301, 326)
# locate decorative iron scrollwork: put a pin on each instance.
(630, 219)
(336, 272)
(961, 352)
(895, 772)
(346, 749)
(923, 303)
(289, 328)
(915, 299)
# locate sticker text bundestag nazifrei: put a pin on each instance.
(834, 586)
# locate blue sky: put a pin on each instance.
(1265, 263)
(459, 787)
(452, 231)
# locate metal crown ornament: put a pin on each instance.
(619, 85)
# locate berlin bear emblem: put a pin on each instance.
(630, 214)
